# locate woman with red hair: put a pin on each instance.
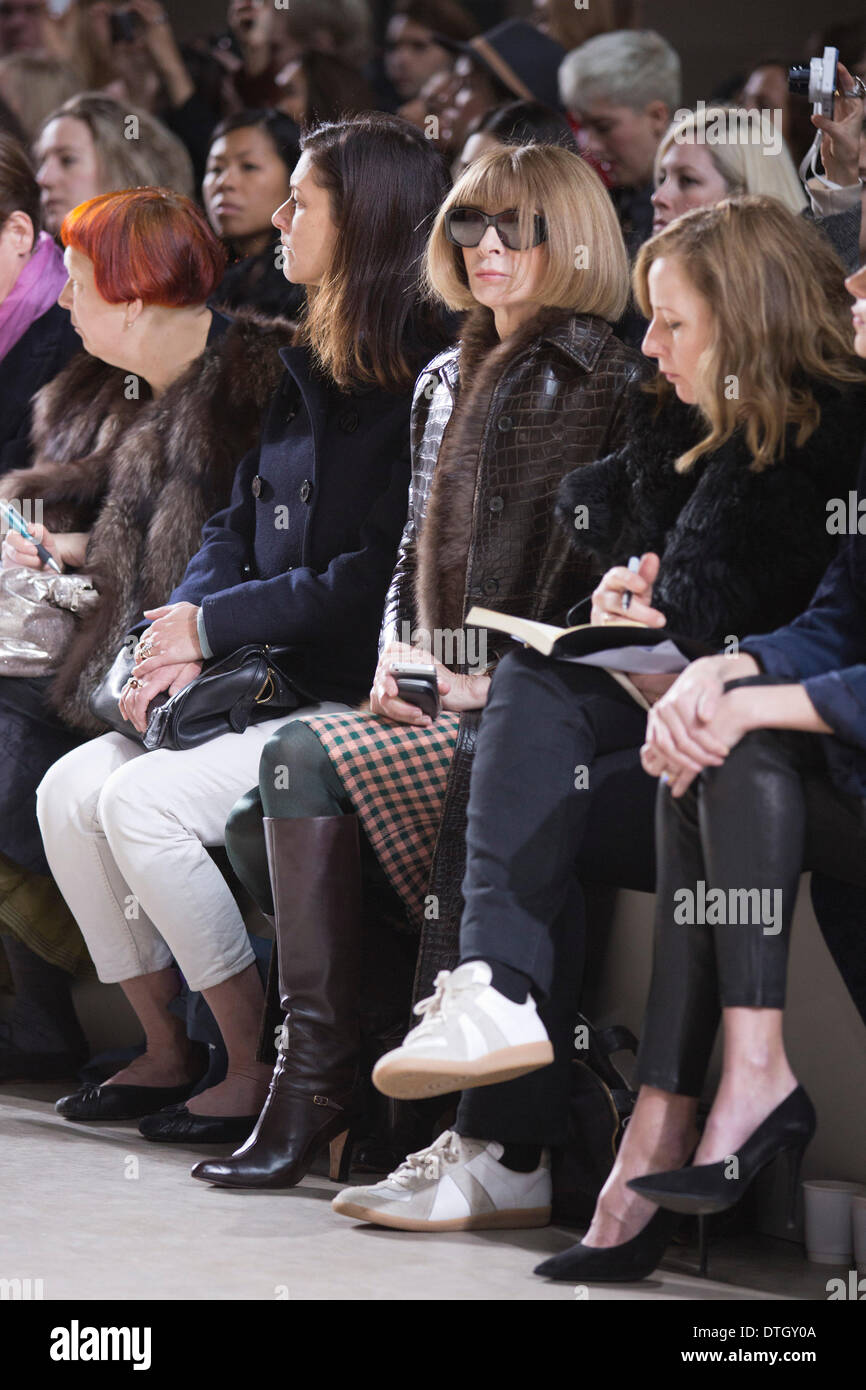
(135, 445)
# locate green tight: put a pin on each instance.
(296, 779)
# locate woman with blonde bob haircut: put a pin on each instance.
(526, 242)
(581, 222)
(717, 153)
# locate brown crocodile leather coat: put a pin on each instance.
(495, 427)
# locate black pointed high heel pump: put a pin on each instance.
(614, 1264)
(713, 1187)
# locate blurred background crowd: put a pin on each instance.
(218, 95)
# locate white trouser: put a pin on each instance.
(125, 835)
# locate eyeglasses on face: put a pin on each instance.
(466, 227)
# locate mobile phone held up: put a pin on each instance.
(417, 684)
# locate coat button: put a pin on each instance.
(257, 486)
(490, 587)
(305, 490)
(496, 504)
(349, 421)
(506, 423)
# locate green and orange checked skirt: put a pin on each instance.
(395, 776)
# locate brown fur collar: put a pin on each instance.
(143, 477)
(483, 359)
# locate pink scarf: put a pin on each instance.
(35, 290)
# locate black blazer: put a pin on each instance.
(35, 360)
(303, 554)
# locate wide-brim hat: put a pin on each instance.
(519, 56)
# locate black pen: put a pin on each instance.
(17, 523)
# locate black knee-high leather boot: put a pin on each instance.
(314, 1097)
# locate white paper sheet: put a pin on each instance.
(665, 659)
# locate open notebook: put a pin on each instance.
(618, 647)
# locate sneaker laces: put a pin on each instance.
(432, 1010)
(427, 1164)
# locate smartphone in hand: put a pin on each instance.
(417, 684)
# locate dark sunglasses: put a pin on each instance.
(467, 226)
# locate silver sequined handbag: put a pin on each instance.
(37, 618)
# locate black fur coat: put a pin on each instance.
(741, 552)
(142, 476)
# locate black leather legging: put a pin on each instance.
(748, 828)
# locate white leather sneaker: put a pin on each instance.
(470, 1035)
(456, 1184)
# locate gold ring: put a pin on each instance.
(134, 683)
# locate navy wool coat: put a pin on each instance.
(304, 552)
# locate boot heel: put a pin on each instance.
(340, 1158)
(795, 1161)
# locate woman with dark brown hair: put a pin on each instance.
(249, 166)
(300, 557)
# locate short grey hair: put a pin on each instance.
(630, 67)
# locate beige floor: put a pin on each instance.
(100, 1213)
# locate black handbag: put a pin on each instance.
(231, 693)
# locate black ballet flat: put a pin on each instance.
(104, 1102)
(177, 1125)
(613, 1264)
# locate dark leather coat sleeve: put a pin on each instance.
(432, 398)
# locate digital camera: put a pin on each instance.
(818, 82)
